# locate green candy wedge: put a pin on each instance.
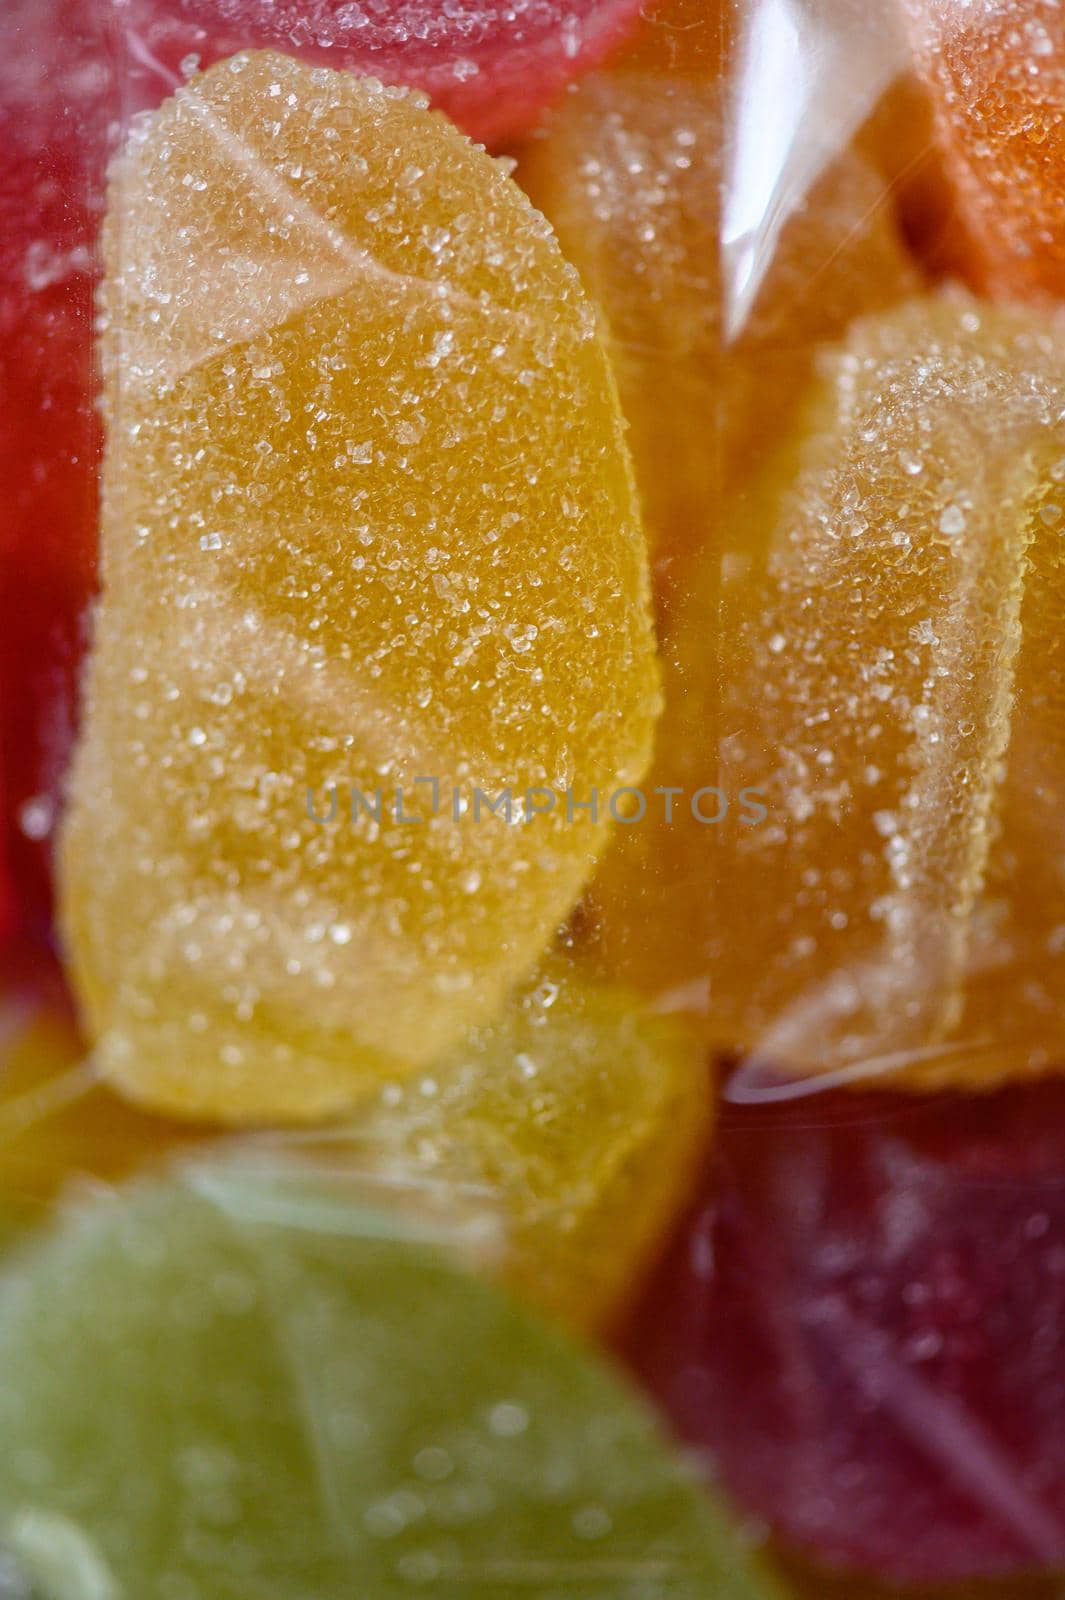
(239, 1384)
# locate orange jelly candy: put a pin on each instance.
(997, 71)
(871, 680)
(630, 171)
(375, 599)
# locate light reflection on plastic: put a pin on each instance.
(808, 73)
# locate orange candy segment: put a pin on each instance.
(370, 551)
(874, 656)
(629, 172)
(997, 71)
(681, 38)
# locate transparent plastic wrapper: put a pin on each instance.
(531, 702)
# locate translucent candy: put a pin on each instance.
(630, 173)
(869, 679)
(57, 96)
(861, 1328)
(558, 1142)
(685, 38)
(806, 1581)
(898, 139)
(371, 554)
(490, 64)
(59, 1127)
(7, 903)
(997, 71)
(70, 72)
(317, 1407)
(578, 1117)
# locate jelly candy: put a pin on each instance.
(898, 139)
(58, 1125)
(997, 72)
(861, 1327)
(67, 75)
(490, 64)
(57, 96)
(7, 908)
(629, 173)
(680, 38)
(869, 680)
(579, 1116)
(628, 177)
(372, 567)
(316, 1407)
(805, 1581)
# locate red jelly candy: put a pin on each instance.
(492, 65)
(862, 1324)
(56, 105)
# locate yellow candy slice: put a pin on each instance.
(878, 654)
(576, 1118)
(368, 519)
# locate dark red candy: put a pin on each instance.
(861, 1327)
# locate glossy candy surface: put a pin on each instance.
(316, 1406)
(576, 1118)
(365, 500)
(861, 1325)
(875, 656)
(997, 72)
(492, 65)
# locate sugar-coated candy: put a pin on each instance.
(372, 566)
(245, 1382)
(579, 1118)
(70, 72)
(871, 687)
(860, 1327)
(629, 170)
(60, 1128)
(490, 64)
(997, 72)
(57, 97)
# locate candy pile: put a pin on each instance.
(531, 707)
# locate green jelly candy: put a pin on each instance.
(240, 1384)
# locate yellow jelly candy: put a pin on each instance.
(577, 1117)
(630, 173)
(370, 553)
(878, 658)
